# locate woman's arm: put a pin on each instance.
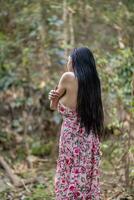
(61, 89)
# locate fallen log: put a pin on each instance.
(16, 181)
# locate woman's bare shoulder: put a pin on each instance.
(66, 78)
(68, 75)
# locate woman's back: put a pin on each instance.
(70, 97)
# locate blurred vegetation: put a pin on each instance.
(35, 39)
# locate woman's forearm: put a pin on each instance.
(53, 104)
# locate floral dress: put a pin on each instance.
(77, 171)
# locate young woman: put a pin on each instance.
(78, 99)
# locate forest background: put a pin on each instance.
(36, 38)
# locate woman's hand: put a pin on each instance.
(53, 94)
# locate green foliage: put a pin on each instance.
(4, 137)
(40, 149)
(40, 192)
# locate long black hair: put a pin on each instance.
(89, 102)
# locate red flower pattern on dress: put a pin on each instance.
(77, 171)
